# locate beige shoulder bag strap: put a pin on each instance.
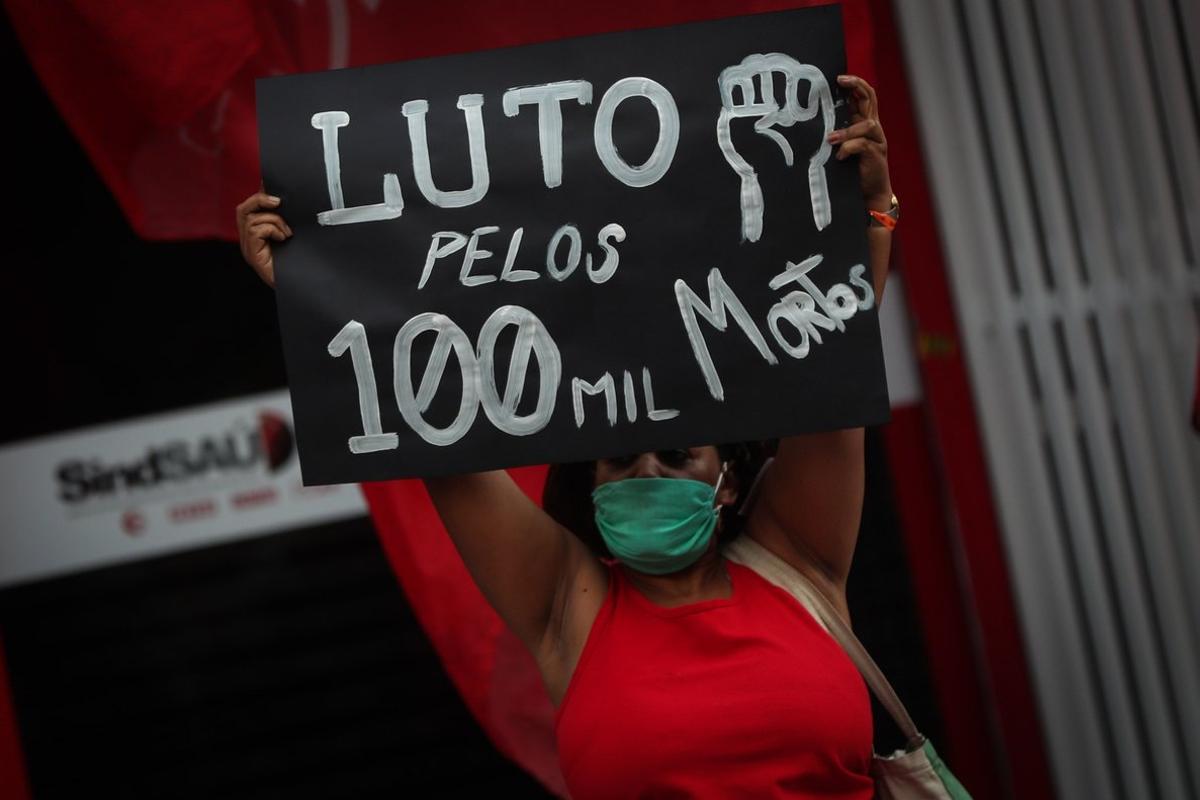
(751, 554)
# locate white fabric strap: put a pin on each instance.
(751, 554)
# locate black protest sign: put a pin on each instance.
(620, 243)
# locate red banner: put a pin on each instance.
(161, 96)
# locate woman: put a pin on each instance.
(675, 672)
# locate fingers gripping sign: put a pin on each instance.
(864, 138)
(258, 225)
(743, 96)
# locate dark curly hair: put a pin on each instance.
(567, 496)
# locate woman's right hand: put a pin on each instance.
(259, 224)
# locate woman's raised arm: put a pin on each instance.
(810, 504)
(524, 562)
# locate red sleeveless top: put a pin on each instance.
(742, 697)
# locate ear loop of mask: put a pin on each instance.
(717, 489)
(752, 494)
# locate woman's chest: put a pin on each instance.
(655, 700)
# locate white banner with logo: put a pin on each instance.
(156, 485)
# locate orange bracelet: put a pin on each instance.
(887, 219)
(884, 219)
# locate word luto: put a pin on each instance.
(746, 90)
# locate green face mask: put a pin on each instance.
(657, 525)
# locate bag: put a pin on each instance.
(913, 773)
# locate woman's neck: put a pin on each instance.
(707, 579)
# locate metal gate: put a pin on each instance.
(1062, 140)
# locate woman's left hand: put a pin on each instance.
(864, 138)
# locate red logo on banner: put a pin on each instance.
(132, 522)
(276, 439)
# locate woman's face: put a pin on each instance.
(697, 463)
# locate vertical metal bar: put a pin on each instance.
(1186, 18)
(1178, 117)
